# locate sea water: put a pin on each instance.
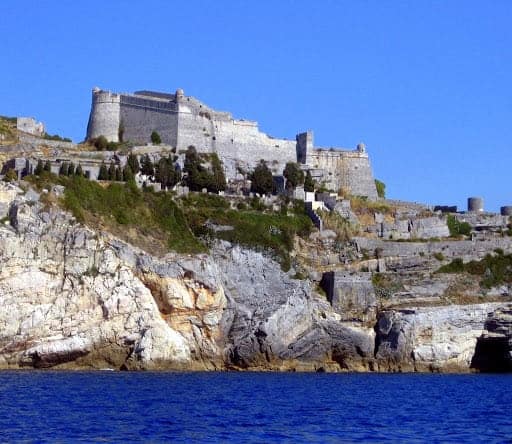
(44, 406)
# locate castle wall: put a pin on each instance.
(235, 141)
(182, 121)
(140, 117)
(347, 170)
(105, 116)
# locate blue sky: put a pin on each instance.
(425, 84)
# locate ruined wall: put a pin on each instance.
(30, 126)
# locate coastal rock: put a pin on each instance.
(430, 339)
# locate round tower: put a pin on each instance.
(105, 115)
(475, 205)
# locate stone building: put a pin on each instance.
(182, 121)
(30, 125)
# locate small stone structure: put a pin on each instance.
(30, 125)
(351, 295)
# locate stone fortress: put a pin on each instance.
(183, 121)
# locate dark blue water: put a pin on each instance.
(253, 407)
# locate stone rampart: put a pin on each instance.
(183, 121)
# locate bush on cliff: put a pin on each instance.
(495, 269)
(456, 227)
(381, 188)
(270, 232)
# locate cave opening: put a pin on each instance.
(492, 355)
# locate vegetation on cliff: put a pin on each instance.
(159, 222)
(494, 269)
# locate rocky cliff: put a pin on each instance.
(72, 297)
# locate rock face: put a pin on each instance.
(494, 348)
(430, 339)
(71, 297)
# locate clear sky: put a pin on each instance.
(425, 84)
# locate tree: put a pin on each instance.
(155, 138)
(63, 170)
(197, 176)
(101, 143)
(294, 175)
(47, 166)
(133, 161)
(218, 182)
(381, 188)
(262, 181)
(147, 167)
(79, 171)
(112, 171)
(162, 172)
(309, 183)
(39, 168)
(71, 169)
(119, 174)
(127, 173)
(11, 175)
(103, 173)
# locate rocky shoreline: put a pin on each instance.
(75, 298)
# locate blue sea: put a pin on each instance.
(46, 406)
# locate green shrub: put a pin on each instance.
(439, 256)
(456, 227)
(155, 138)
(11, 175)
(381, 188)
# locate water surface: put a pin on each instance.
(253, 407)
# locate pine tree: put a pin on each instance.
(39, 168)
(119, 174)
(147, 167)
(127, 173)
(103, 173)
(47, 166)
(112, 171)
(134, 163)
(162, 172)
(71, 169)
(309, 183)
(79, 171)
(218, 179)
(63, 170)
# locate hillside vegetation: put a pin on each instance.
(160, 222)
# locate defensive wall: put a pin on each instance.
(182, 121)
